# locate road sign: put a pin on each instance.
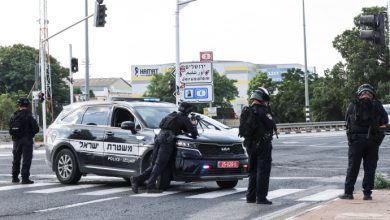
(196, 73)
(198, 93)
(206, 56)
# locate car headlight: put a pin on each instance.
(186, 144)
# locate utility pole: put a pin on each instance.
(307, 106)
(86, 54)
(179, 5)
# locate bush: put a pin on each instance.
(381, 182)
(38, 137)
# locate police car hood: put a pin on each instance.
(213, 136)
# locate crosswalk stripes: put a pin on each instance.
(11, 187)
(322, 196)
(63, 188)
(280, 192)
(106, 191)
(216, 194)
(103, 190)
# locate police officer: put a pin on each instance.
(172, 125)
(259, 149)
(23, 143)
(364, 115)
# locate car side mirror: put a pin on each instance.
(129, 125)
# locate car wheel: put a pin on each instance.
(66, 168)
(227, 184)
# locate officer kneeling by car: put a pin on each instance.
(172, 125)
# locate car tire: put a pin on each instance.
(227, 184)
(66, 167)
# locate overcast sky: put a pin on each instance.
(142, 32)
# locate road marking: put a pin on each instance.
(280, 192)
(322, 196)
(281, 212)
(154, 195)
(76, 204)
(218, 193)
(106, 191)
(21, 186)
(63, 189)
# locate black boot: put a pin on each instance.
(15, 180)
(27, 181)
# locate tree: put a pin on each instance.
(365, 61)
(18, 72)
(162, 86)
(261, 80)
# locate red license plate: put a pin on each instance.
(228, 164)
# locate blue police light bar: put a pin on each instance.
(151, 99)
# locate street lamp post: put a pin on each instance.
(307, 105)
(179, 5)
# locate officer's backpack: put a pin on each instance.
(363, 113)
(17, 126)
(248, 123)
(168, 122)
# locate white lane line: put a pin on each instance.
(154, 195)
(106, 191)
(76, 204)
(216, 194)
(280, 192)
(322, 196)
(281, 212)
(63, 189)
(21, 186)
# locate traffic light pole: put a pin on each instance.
(307, 105)
(70, 74)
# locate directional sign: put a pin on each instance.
(196, 73)
(198, 93)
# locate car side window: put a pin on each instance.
(74, 117)
(120, 115)
(96, 115)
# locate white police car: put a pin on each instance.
(115, 138)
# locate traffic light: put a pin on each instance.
(100, 14)
(41, 97)
(74, 65)
(376, 28)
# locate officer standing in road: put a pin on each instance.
(172, 125)
(259, 148)
(364, 116)
(23, 128)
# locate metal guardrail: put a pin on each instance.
(297, 127)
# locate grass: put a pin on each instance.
(381, 182)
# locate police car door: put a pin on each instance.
(87, 137)
(120, 146)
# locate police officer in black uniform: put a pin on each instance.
(172, 125)
(364, 139)
(23, 144)
(259, 149)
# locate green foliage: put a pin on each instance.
(18, 73)
(381, 182)
(261, 80)
(224, 90)
(8, 106)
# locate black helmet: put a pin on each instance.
(23, 101)
(185, 107)
(366, 87)
(260, 94)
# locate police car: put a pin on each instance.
(115, 138)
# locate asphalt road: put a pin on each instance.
(308, 169)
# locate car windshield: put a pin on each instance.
(214, 122)
(152, 115)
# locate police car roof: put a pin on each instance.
(130, 104)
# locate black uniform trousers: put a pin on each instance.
(366, 149)
(260, 159)
(162, 152)
(22, 148)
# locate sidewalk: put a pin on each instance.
(378, 208)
